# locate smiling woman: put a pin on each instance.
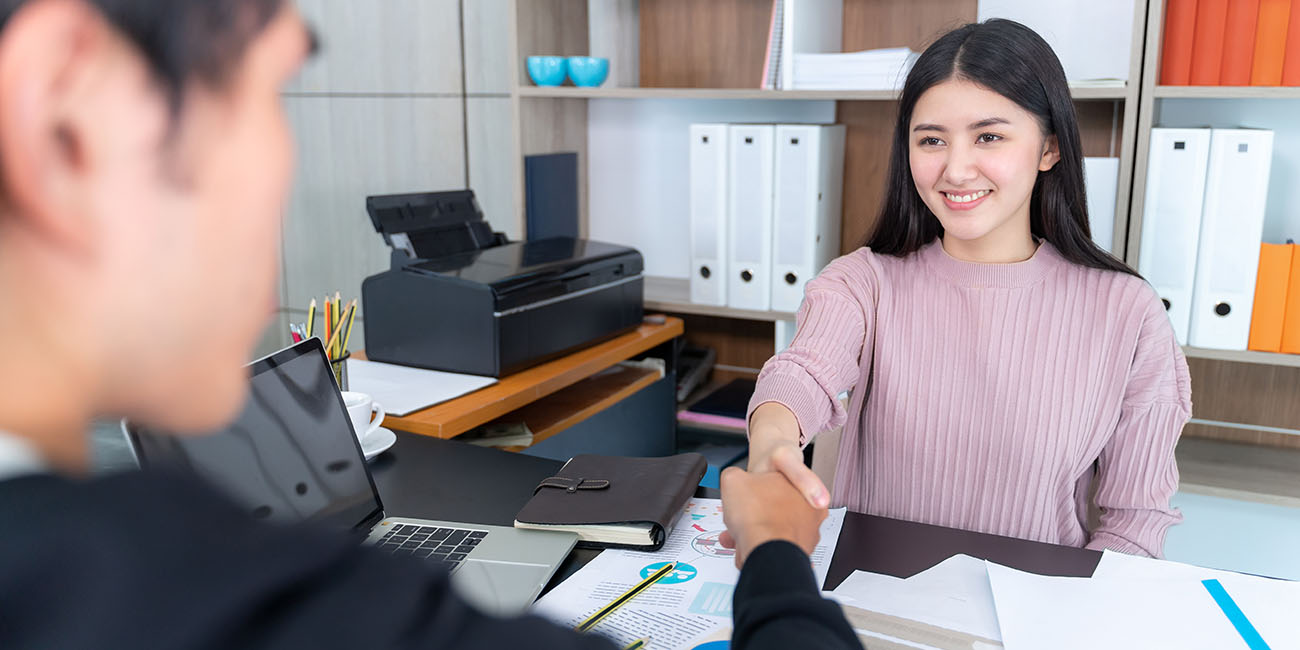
(1002, 366)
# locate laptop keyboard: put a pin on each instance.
(445, 546)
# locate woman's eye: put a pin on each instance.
(931, 142)
(986, 138)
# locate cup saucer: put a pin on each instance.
(377, 441)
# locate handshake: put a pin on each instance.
(779, 498)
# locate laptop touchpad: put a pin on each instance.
(500, 587)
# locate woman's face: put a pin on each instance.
(974, 158)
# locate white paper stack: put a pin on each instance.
(884, 69)
(1140, 603)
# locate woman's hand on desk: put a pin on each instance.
(774, 447)
(760, 508)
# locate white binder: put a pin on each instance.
(750, 216)
(806, 207)
(1232, 224)
(1101, 180)
(1171, 218)
(708, 189)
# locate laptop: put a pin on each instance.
(291, 456)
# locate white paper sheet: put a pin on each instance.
(402, 390)
(953, 594)
(1120, 612)
(1122, 566)
(691, 602)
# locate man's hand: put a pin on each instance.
(786, 458)
(762, 507)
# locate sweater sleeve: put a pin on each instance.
(1138, 473)
(825, 357)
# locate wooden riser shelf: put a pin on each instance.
(566, 408)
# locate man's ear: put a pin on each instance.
(1051, 154)
(54, 57)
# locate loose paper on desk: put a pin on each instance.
(691, 601)
(1117, 611)
(402, 390)
(953, 595)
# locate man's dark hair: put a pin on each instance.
(183, 40)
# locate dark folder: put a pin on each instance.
(615, 501)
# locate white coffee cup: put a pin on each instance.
(360, 408)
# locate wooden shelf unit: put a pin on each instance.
(1243, 388)
(674, 295)
(1226, 92)
(1243, 356)
(690, 50)
(450, 419)
(573, 92)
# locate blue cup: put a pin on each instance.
(546, 70)
(588, 71)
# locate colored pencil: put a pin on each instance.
(352, 315)
(627, 596)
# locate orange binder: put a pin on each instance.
(1266, 319)
(1238, 42)
(1207, 44)
(1270, 42)
(1176, 55)
(1291, 321)
(1291, 59)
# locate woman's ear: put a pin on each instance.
(1051, 154)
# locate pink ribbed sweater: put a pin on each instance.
(995, 388)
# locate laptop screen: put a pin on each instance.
(290, 456)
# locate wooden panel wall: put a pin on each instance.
(552, 126)
(871, 24)
(1245, 393)
(551, 28)
(703, 44)
(740, 343)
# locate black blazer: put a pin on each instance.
(147, 561)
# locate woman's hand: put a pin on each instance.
(787, 459)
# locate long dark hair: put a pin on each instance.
(1015, 62)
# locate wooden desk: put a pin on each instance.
(577, 384)
(446, 479)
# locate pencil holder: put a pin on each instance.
(340, 368)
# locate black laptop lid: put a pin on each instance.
(290, 456)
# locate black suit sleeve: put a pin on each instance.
(777, 604)
(138, 561)
(146, 562)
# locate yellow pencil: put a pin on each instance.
(329, 322)
(329, 345)
(352, 314)
(311, 317)
(628, 595)
(640, 644)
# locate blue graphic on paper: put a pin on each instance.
(714, 645)
(683, 572)
(714, 599)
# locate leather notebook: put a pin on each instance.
(615, 501)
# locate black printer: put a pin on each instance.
(462, 298)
